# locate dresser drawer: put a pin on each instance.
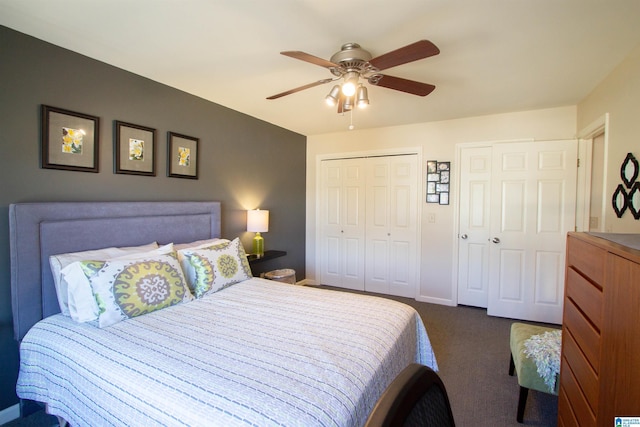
(585, 295)
(586, 258)
(582, 370)
(566, 417)
(576, 400)
(585, 335)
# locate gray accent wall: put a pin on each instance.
(243, 162)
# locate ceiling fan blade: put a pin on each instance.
(404, 85)
(309, 58)
(418, 50)
(298, 89)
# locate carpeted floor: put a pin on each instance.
(473, 355)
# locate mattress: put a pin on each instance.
(257, 353)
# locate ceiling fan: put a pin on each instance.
(354, 65)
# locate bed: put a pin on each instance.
(255, 352)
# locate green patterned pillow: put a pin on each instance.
(126, 288)
(217, 267)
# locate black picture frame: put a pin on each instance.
(134, 149)
(182, 156)
(438, 178)
(69, 140)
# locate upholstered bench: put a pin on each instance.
(525, 367)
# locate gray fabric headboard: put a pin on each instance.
(38, 230)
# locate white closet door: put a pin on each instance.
(532, 209)
(391, 231)
(342, 223)
(474, 226)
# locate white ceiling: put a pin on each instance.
(496, 55)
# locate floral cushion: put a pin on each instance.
(217, 266)
(60, 261)
(126, 288)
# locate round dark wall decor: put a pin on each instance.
(634, 208)
(629, 170)
(619, 200)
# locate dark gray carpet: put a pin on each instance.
(473, 355)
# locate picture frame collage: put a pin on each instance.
(70, 141)
(438, 180)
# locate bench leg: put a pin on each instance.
(512, 365)
(522, 401)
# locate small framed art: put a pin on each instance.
(135, 151)
(70, 140)
(182, 156)
(438, 178)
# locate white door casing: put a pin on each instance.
(532, 209)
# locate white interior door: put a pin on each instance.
(391, 231)
(342, 223)
(532, 209)
(474, 226)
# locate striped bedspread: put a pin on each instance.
(257, 353)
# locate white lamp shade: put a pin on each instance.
(258, 221)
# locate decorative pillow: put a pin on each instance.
(60, 261)
(126, 288)
(79, 296)
(217, 267)
(182, 248)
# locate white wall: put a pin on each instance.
(619, 95)
(437, 141)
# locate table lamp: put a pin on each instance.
(258, 222)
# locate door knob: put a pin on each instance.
(495, 240)
(464, 236)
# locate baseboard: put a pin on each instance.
(9, 414)
(432, 300)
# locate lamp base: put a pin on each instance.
(258, 245)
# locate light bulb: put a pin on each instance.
(350, 83)
(348, 88)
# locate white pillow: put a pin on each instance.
(198, 244)
(125, 288)
(60, 261)
(216, 267)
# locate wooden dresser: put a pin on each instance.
(600, 367)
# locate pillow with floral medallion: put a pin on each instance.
(217, 266)
(126, 288)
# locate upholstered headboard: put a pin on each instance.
(38, 230)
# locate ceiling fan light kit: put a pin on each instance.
(353, 63)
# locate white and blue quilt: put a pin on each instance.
(259, 353)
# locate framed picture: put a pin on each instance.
(69, 140)
(431, 187)
(433, 177)
(440, 188)
(438, 178)
(433, 198)
(182, 156)
(135, 149)
(444, 166)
